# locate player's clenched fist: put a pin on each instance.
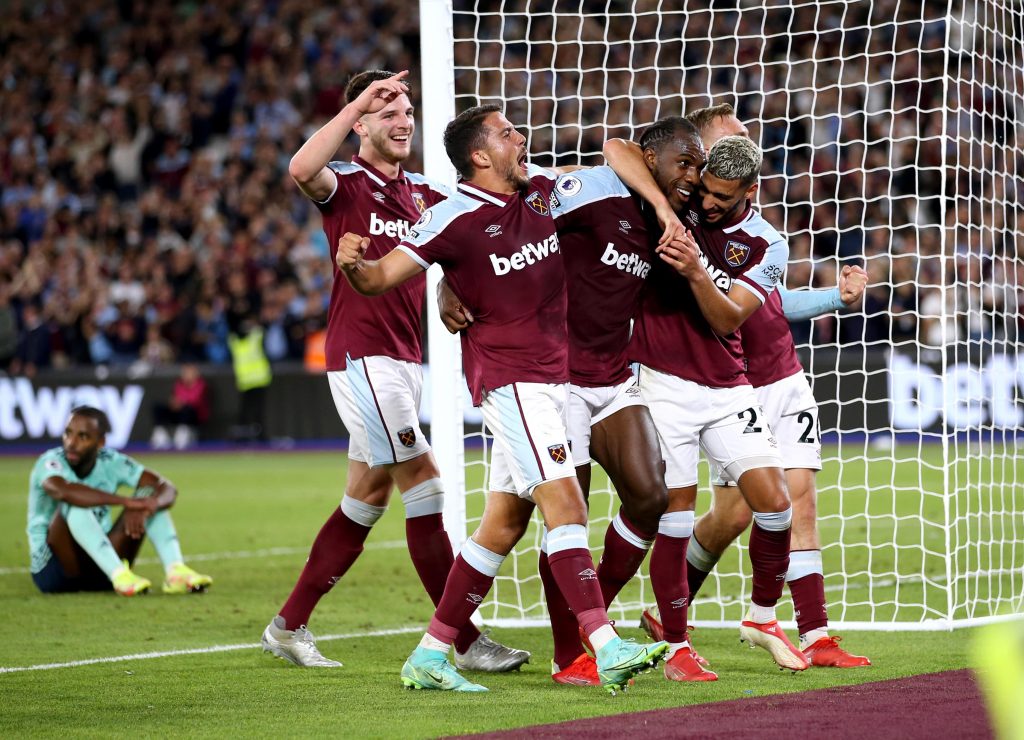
(852, 282)
(351, 249)
(683, 254)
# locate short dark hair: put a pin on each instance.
(704, 117)
(91, 412)
(363, 80)
(465, 134)
(665, 130)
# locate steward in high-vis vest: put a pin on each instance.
(252, 376)
(250, 363)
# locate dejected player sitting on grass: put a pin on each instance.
(74, 542)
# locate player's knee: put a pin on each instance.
(424, 499)
(361, 512)
(645, 510)
(737, 519)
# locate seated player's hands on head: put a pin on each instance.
(853, 281)
(455, 316)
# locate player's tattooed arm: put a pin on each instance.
(455, 316)
(373, 277)
(309, 165)
(627, 160)
(725, 312)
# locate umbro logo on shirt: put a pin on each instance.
(494, 230)
(379, 196)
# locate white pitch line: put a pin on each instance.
(266, 552)
(198, 651)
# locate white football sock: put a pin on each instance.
(762, 614)
(812, 637)
(432, 643)
(602, 636)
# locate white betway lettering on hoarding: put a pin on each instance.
(967, 397)
(527, 255)
(38, 413)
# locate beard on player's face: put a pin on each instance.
(383, 141)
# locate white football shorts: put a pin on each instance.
(378, 399)
(727, 423)
(530, 442)
(590, 406)
(792, 413)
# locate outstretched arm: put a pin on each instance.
(309, 165)
(808, 304)
(373, 277)
(627, 160)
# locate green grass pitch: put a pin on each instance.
(248, 520)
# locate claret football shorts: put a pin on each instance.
(792, 413)
(530, 442)
(727, 423)
(378, 399)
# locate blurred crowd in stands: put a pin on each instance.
(146, 211)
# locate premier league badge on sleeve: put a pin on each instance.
(736, 253)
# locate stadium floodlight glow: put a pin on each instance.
(873, 154)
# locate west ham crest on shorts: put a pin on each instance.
(736, 254)
(407, 436)
(557, 453)
(537, 203)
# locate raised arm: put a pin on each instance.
(627, 160)
(808, 304)
(373, 277)
(309, 165)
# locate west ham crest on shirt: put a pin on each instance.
(537, 203)
(557, 453)
(736, 253)
(421, 204)
(407, 436)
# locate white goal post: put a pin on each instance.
(893, 134)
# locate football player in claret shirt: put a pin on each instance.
(496, 241)
(774, 371)
(75, 544)
(606, 234)
(691, 370)
(373, 354)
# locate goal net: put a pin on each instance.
(892, 140)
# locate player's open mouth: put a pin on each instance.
(683, 192)
(522, 161)
(401, 139)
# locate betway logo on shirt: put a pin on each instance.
(719, 276)
(527, 255)
(398, 228)
(628, 263)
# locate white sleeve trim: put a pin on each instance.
(751, 288)
(327, 200)
(416, 258)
